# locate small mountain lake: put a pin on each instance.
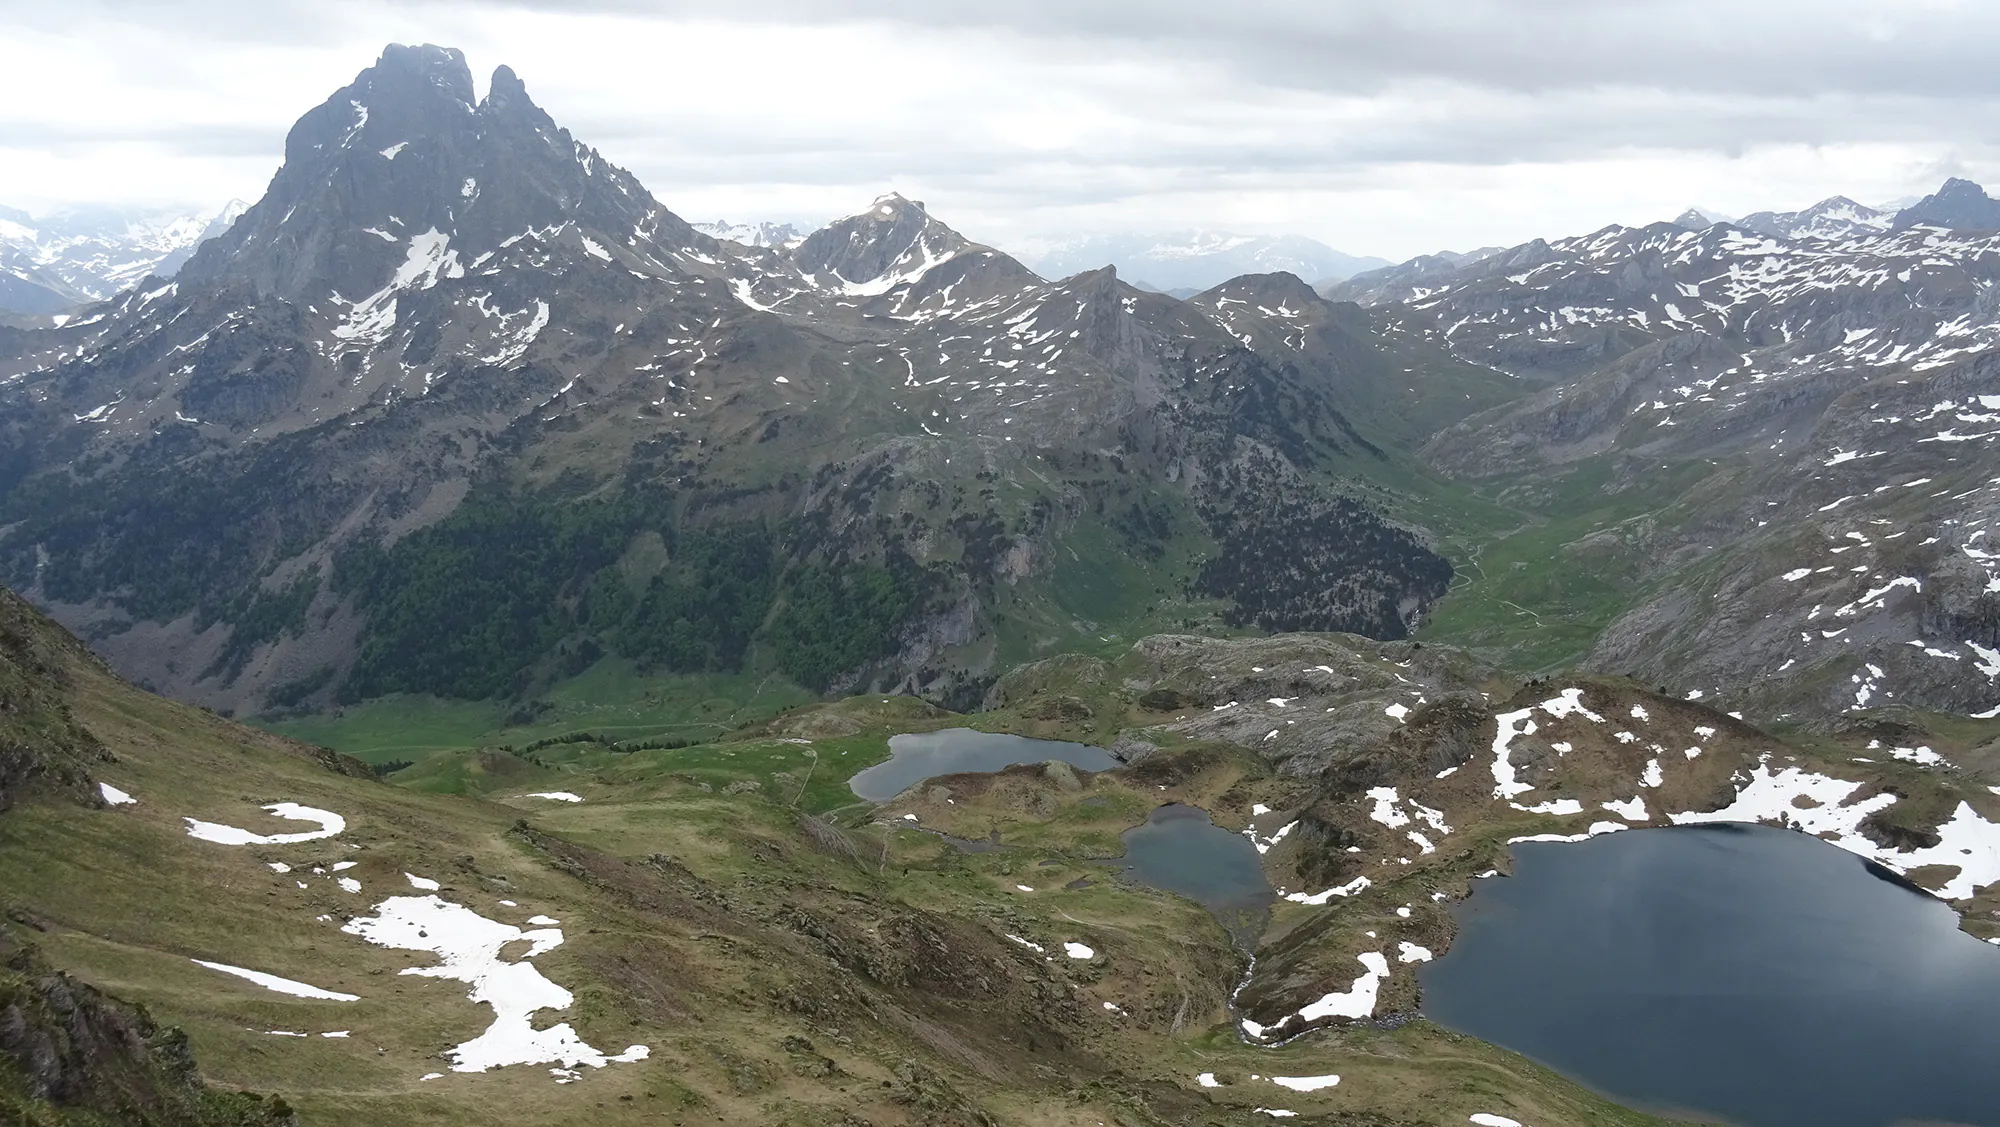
(917, 756)
(1178, 849)
(1752, 974)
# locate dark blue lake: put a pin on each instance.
(918, 756)
(1180, 850)
(1743, 973)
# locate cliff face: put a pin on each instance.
(71, 1054)
(41, 744)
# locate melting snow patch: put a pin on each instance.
(1596, 829)
(1968, 843)
(1385, 810)
(1352, 888)
(1264, 844)
(349, 884)
(1305, 1083)
(1488, 1119)
(1357, 1001)
(1206, 1079)
(1077, 950)
(1921, 756)
(280, 985)
(1408, 952)
(424, 884)
(1275, 1112)
(1561, 807)
(468, 947)
(1632, 810)
(113, 796)
(557, 796)
(330, 824)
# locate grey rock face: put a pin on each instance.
(1960, 205)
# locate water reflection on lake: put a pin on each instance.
(1180, 850)
(924, 755)
(1750, 973)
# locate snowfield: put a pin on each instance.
(468, 947)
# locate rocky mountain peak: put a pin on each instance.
(403, 153)
(893, 241)
(1835, 217)
(441, 67)
(1276, 290)
(1959, 204)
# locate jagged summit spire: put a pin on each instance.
(506, 88)
(443, 66)
(404, 150)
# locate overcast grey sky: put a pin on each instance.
(1390, 128)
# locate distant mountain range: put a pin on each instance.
(1959, 205)
(753, 234)
(1184, 263)
(54, 263)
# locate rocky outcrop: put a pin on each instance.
(71, 1053)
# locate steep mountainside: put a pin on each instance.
(1784, 446)
(55, 263)
(459, 408)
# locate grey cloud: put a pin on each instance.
(1469, 83)
(1779, 47)
(226, 142)
(1937, 49)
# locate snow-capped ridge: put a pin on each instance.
(895, 241)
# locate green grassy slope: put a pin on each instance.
(847, 974)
